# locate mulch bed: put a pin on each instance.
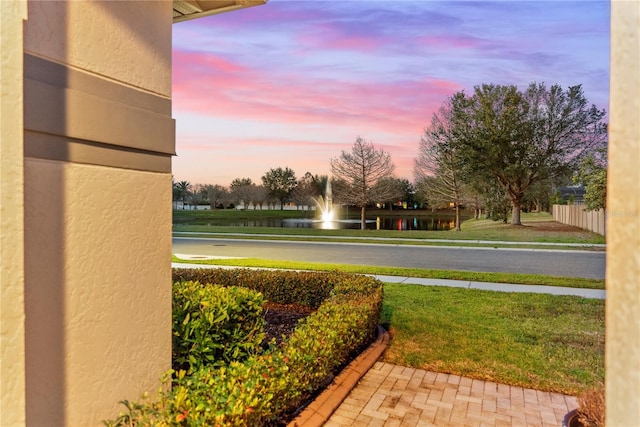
(282, 319)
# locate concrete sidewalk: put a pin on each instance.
(392, 395)
(499, 287)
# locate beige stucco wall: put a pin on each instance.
(97, 207)
(623, 219)
(98, 294)
(125, 41)
(12, 353)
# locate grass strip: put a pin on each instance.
(545, 342)
(513, 278)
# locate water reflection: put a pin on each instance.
(438, 223)
(407, 223)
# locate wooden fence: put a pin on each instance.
(578, 216)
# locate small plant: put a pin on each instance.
(591, 409)
(214, 325)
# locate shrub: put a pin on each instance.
(591, 410)
(284, 287)
(214, 324)
(266, 387)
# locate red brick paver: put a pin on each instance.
(391, 395)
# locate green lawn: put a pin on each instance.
(546, 342)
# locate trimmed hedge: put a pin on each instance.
(284, 287)
(266, 388)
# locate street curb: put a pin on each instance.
(319, 411)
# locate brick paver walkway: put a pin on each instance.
(392, 395)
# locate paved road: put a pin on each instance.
(568, 263)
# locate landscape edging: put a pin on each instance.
(323, 406)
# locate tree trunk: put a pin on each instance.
(363, 218)
(457, 217)
(515, 212)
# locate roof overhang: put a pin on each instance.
(184, 10)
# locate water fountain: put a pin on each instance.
(327, 214)
(326, 208)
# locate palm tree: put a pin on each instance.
(183, 190)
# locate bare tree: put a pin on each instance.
(391, 187)
(305, 190)
(241, 191)
(359, 171)
(216, 194)
(197, 196)
(259, 195)
(440, 160)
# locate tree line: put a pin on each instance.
(280, 186)
(496, 150)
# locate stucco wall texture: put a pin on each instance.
(125, 41)
(12, 378)
(623, 220)
(98, 298)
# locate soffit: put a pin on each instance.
(184, 10)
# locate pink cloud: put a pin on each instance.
(449, 41)
(331, 36)
(210, 85)
(188, 63)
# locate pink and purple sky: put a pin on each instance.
(294, 82)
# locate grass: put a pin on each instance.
(514, 278)
(545, 342)
(180, 215)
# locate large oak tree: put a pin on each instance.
(593, 175)
(280, 182)
(522, 137)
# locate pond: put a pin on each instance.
(407, 222)
(379, 223)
